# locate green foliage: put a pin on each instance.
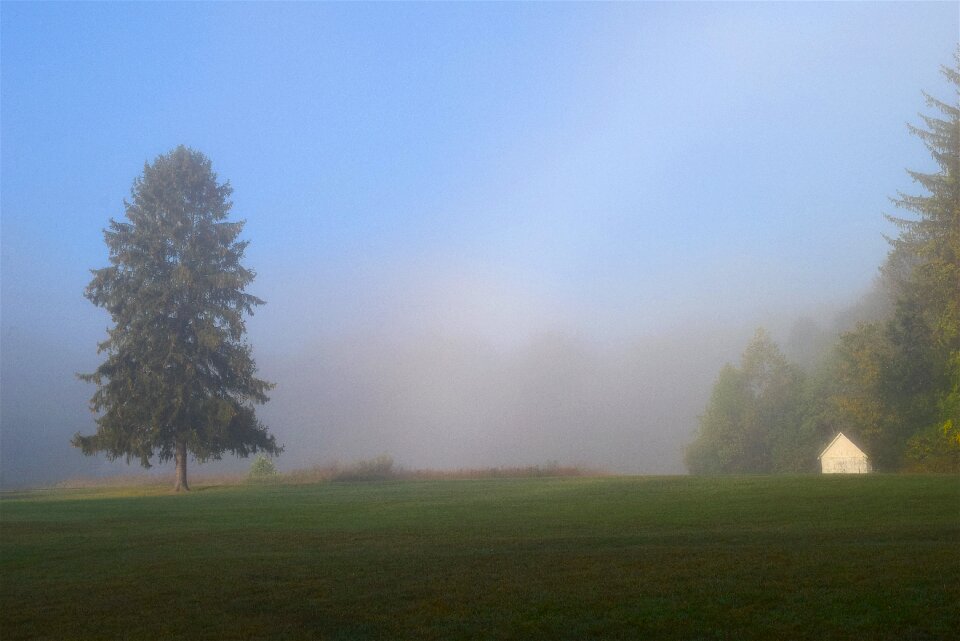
(719, 445)
(857, 396)
(790, 557)
(934, 450)
(178, 375)
(754, 414)
(924, 371)
(262, 469)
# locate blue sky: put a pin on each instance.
(499, 169)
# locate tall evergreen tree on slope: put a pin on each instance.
(925, 327)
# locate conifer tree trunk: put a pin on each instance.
(180, 457)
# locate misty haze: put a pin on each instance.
(472, 255)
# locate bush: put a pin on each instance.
(262, 469)
(376, 469)
(936, 449)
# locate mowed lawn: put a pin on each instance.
(805, 557)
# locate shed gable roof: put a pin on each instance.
(840, 441)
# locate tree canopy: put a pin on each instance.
(748, 423)
(179, 376)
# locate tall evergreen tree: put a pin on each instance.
(179, 377)
(925, 262)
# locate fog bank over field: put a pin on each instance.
(441, 368)
(479, 385)
(461, 402)
(442, 395)
(429, 401)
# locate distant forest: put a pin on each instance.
(891, 382)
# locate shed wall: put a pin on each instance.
(845, 465)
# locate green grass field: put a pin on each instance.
(872, 557)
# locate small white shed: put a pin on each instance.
(843, 457)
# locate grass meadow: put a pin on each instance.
(804, 557)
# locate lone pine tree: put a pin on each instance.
(179, 376)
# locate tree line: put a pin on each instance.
(891, 383)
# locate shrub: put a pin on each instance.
(936, 449)
(376, 469)
(262, 469)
